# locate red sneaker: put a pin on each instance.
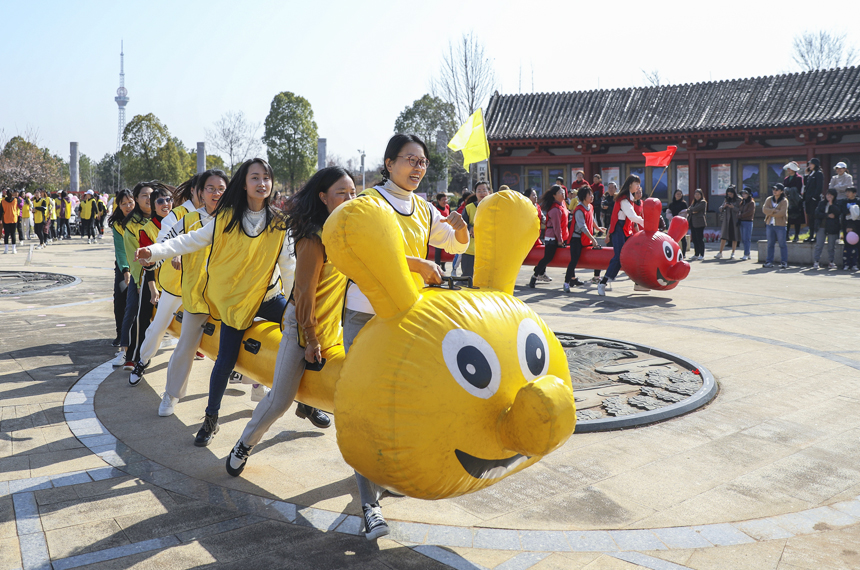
(128, 365)
(199, 356)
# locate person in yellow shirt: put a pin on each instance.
(52, 223)
(27, 216)
(64, 215)
(88, 213)
(41, 215)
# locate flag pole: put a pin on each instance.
(665, 170)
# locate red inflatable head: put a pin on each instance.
(651, 258)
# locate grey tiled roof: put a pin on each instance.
(797, 99)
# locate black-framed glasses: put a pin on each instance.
(416, 162)
(160, 201)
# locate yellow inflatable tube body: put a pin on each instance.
(258, 354)
(446, 391)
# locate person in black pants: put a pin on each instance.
(607, 203)
(813, 184)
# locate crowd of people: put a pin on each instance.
(46, 217)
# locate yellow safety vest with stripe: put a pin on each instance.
(170, 278)
(87, 209)
(194, 270)
(67, 205)
(25, 210)
(328, 309)
(40, 216)
(131, 241)
(239, 271)
(415, 227)
(151, 229)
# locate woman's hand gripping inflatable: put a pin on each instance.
(446, 391)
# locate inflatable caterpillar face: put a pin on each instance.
(446, 391)
(651, 258)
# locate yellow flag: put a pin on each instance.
(472, 140)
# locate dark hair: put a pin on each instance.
(137, 213)
(441, 195)
(185, 190)
(599, 177)
(395, 144)
(116, 215)
(305, 212)
(699, 190)
(235, 199)
(583, 191)
(832, 192)
(203, 177)
(733, 190)
(483, 182)
(548, 198)
(851, 189)
(624, 192)
(470, 199)
(156, 194)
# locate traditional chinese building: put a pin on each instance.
(741, 132)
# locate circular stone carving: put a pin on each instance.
(26, 282)
(619, 384)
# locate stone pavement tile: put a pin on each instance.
(591, 541)
(34, 550)
(489, 558)
(56, 495)
(449, 536)
(5, 445)
(608, 562)
(681, 537)
(142, 556)
(142, 525)
(85, 537)
(836, 549)
(15, 467)
(73, 478)
(60, 437)
(786, 432)
(676, 556)
(30, 484)
(54, 462)
(850, 507)
(756, 556)
(722, 534)
(117, 503)
(567, 561)
(11, 558)
(763, 529)
(544, 541)
(103, 486)
(496, 538)
(636, 540)
(7, 518)
(403, 531)
(27, 441)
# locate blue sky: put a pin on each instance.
(358, 63)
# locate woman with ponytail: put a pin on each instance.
(623, 223)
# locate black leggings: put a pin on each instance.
(141, 321)
(550, 246)
(40, 232)
(9, 231)
(575, 253)
(119, 295)
(796, 222)
(437, 257)
(698, 235)
(88, 228)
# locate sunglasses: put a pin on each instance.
(160, 201)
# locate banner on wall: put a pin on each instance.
(721, 178)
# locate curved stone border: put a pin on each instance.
(423, 537)
(75, 281)
(705, 394)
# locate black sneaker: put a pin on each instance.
(115, 342)
(207, 431)
(238, 458)
(533, 281)
(374, 525)
(137, 374)
(317, 417)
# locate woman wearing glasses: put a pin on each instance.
(168, 275)
(248, 259)
(405, 164)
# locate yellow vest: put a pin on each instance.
(52, 208)
(239, 271)
(68, 209)
(25, 211)
(330, 297)
(87, 209)
(39, 217)
(415, 227)
(170, 279)
(131, 241)
(472, 212)
(194, 270)
(151, 230)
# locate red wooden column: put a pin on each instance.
(692, 179)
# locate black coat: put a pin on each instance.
(813, 187)
(831, 225)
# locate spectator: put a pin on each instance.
(441, 204)
(532, 195)
(19, 225)
(608, 202)
(850, 223)
(794, 193)
(598, 189)
(746, 215)
(65, 215)
(557, 231)
(841, 181)
(559, 180)
(482, 190)
(813, 188)
(577, 183)
(830, 221)
(581, 236)
(676, 207)
(776, 219)
(9, 213)
(27, 216)
(729, 227)
(698, 214)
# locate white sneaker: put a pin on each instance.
(701, 258)
(14, 248)
(119, 360)
(745, 257)
(543, 278)
(815, 265)
(235, 377)
(732, 256)
(258, 392)
(719, 255)
(831, 266)
(601, 289)
(854, 268)
(168, 403)
(638, 287)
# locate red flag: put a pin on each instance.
(660, 159)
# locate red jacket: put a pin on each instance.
(629, 226)
(557, 224)
(445, 212)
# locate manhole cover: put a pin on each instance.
(24, 282)
(619, 384)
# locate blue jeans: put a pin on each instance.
(228, 351)
(618, 240)
(775, 233)
(746, 236)
(131, 301)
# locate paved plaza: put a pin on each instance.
(764, 477)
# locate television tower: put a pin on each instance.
(121, 98)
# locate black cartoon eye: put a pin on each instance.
(472, 362)
(532, 349)
(667, 251)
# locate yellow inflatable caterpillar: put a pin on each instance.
(446, 391)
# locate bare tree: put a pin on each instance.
(235, 137)
(466, 76)
(653, 78)
(822, 50)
